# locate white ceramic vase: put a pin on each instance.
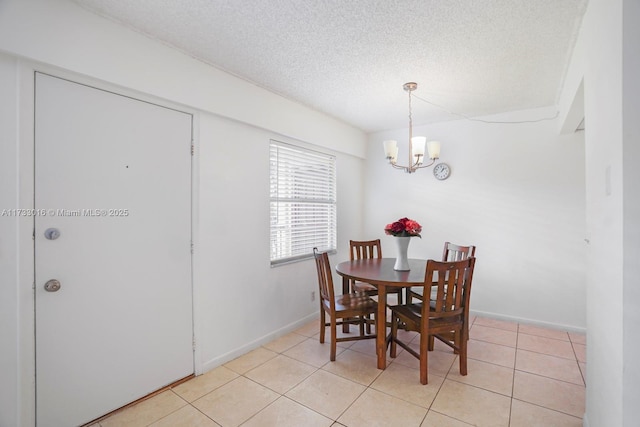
(402, 261)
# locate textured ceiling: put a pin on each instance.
(350, 58)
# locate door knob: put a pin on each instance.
(52, 285)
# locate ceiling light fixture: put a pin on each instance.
(416, 144)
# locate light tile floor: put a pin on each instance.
(519, 376)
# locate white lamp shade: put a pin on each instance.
(390, 149)
(434, 149)
(418, 144)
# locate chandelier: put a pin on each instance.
(416, 144)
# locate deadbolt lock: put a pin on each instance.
(51, 233)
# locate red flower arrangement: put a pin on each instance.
(404, 227)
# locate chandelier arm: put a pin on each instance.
(414, 166)
(397, 166)
(417, 163)
(427, 165)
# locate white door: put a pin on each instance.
(113, 177)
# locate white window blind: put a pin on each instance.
(303, 202)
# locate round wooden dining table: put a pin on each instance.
(379, 272)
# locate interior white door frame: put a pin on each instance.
(26, 245)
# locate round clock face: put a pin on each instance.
(441, 171)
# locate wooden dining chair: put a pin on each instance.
(342, 309)
(447, 319)
(451, 252)
(367, 249)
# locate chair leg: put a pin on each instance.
(424, 357)
(457, 339)
(334, 331)
(463, 354)
(322, 325)
(394, 333)
(362, 321)
(367, 320)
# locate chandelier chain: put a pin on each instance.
(410, 118)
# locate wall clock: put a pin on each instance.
(441, 171)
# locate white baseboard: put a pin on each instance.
(224, 358)
(559, 326)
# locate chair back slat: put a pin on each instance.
(364, 249)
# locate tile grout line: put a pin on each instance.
(584, 380)
(547, 408)
(513, 380)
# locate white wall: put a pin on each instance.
(603, 115)
(233, 250)
(234, 122)
(9, 352)
(516, 191)
(631, 209)
(613, 211)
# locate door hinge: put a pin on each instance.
(191, 248)
(194, 344)
(192, 149)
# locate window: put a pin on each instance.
(303, 202)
